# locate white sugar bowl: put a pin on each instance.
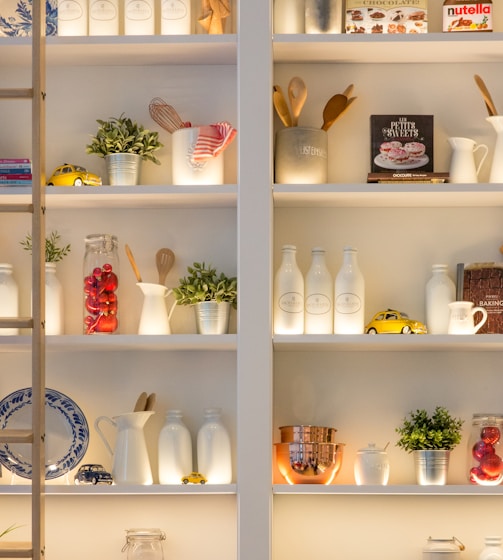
(371, 466)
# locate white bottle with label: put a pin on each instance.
(139, 17)
(9, 297)
(175, 17)
(349, 300)
(440, 291)
(72, 18)
(214, 449)
(103, 17)
(492, 550)
(319, 293)
(175, 449)
(288, 295)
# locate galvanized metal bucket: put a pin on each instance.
(212, 317)
(431, 466)
(123, 169)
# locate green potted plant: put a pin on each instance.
(124, 144)
(430, 438)
(54, 303)
(211, 293)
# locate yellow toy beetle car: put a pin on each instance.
(394, 322)
(194, 478)
(67, 175)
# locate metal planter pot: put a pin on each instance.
(212, 317)
(123, 169)
(431, 466)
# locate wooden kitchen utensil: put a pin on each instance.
(133, 263)
(297, 94)
(491, 108)
(151, 399)
(281, 106)
(164, 260)
(141, 403)
(334, 107)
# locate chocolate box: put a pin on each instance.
(401, 143)
(483, 285)
(386, 16)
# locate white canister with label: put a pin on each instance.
(175, 17)
(104, 17)
(72, 18)
(139, 17)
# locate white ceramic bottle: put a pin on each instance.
(492, 549)
(318, 296)
(349, 300)
(54, 306)
(289, 295)
(139, 17)
(175, 449)
(103, 17)
(72, 17)
(440, 291)
(175, 17)
(9, 297)
(214, 459)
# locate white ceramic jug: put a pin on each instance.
(155, 318)
(496, 175)
(130, 461)
(463, 168)
(462, 317)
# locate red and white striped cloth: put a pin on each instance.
(212, 140)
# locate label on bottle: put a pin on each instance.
(139, 10)
(102, 10)
(69, 10)
(291, 302)
(318, 304)
(348, 303)
(174, 9)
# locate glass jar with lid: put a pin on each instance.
(101, 281)
(443, 549)
(371, 466)
(144, 544)
(485, 449)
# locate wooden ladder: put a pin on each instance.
(36, 548)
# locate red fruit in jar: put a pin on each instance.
(482, 448)
(92, 305)
(107, 323)
(107, 267)
(97, 272)
(490, 434)
(492, 465)
(110, 282)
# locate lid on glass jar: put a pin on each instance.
(6, 267)
(373, 449)
(484, 416)
(145, 534)
(444, 545)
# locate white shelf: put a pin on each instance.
(125, 342)
(373, 195)
(399, 490)
(121, 490)
(147, 196)
(125, 50)
(388, 343)
(389, 48)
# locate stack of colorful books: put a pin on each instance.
(15, 172)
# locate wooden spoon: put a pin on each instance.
(297, 94)
(140, 403)
(491, 108)
(350, 100)
(164, 260)
(334, 107)
(151, 399)
(133, 263)
(348, 91)
(281, 106)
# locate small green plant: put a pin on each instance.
(421, 431)
(53, 253)
(122, 135)
(205, 284)
(13, 527)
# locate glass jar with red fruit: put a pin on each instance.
(101, 280)
(485, 450)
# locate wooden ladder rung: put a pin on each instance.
(16, 322)
(28, 208)
(16, 93)
(16, 436)
(16, 550)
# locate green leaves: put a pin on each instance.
(205, 284)
(53, 253)
(420, 431)
(121, 135)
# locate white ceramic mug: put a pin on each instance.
(462, 319)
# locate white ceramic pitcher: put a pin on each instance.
(496, 175)
(155, 317)
(130, 461)
(463, 168)
(462, 320)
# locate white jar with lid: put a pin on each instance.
(9, 297)
(371, 466)
(492, 549)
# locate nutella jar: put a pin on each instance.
(467, 15)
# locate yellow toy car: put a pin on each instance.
(194, 478)
(67, 175)
(394, 322)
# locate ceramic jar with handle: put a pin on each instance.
(463, 168)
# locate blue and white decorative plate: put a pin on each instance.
(66, 429)
(16, 19)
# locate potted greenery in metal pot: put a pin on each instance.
(211, 293)
(430, 439)
(124, 144)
